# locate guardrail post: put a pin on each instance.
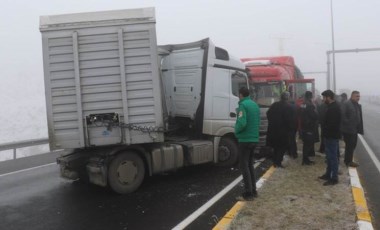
(21, 144)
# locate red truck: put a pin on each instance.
(269, 76)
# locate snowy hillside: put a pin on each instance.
(23, 115)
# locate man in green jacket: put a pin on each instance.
(247, 133)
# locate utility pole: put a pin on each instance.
(281, 40)
(333, 48)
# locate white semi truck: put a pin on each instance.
(126, 108)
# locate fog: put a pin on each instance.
(251, 28)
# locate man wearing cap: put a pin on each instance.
(331, 135)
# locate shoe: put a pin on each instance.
(278, 166)
(247, 196)
(309, 162)
(254, 194)
(241, 198)
(324, 177)
(330, 182)
(352, 164)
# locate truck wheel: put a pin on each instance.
(126, 173)
(227, 152)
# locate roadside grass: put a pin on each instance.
(294, 198)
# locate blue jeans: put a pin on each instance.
(331, 148)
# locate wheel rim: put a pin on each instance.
(224, 153)
(127, 172)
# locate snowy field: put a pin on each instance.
(23, 118)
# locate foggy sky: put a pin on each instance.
(248, 28)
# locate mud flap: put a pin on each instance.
(97, 171)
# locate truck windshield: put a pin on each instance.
(297, 89)
(238, 80)
(265, 94)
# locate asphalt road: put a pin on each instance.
(368, 172)
(39, 199)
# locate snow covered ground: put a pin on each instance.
(23, 117)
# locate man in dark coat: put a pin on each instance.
(352, 124)
(309, 128)
(292, 148)
(331, 134)
(280, 121)
(321, 108)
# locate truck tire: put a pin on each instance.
(126, 172)
(227, 152)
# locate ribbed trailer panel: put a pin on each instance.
(97, 66)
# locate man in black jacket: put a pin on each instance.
(352, 124)
(280, 124)
(309, 128)
(331, 132)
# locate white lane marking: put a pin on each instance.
(209, 203)
(355, 181)
(370, 153)
(364, 225)
(260, 182)
(360, 207)
(28, 169)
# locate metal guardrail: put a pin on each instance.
(21, 144)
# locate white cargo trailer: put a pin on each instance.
(126, 107)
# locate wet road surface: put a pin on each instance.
(369, 174)
(40, 199)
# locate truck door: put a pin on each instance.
(238, 80)
(225, 94)
(221, 100)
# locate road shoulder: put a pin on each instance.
(285, 201)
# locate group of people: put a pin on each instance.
(286, 118)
